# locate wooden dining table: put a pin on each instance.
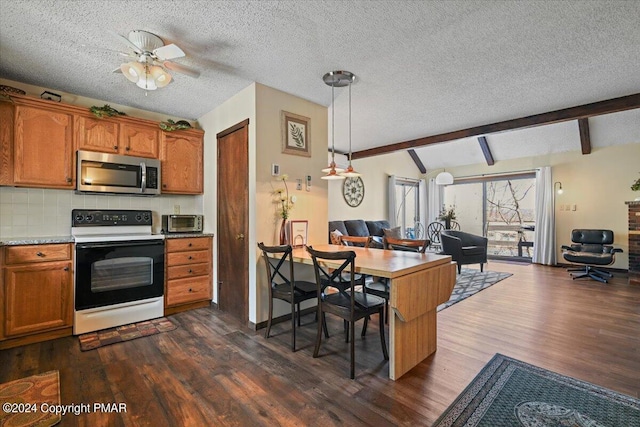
(418, 284)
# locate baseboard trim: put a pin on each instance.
(280, 319)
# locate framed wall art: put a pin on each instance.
(296, 131)
(298, 234)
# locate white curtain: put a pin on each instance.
(544, 236)
(434, 201)
(422, 189)
(391, 207)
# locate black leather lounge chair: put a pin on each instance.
(591, 248)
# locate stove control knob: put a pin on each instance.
(138, 217)
(89, 218)
(79, 218)
(147, 217)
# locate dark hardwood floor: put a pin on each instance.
(212, 371)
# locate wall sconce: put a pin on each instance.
(558, 185)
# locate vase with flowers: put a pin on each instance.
(284, 207)
(447, 215)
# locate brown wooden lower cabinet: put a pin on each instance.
(188, 275)
(36, 293)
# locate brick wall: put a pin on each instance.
(634, 243)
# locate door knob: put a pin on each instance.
(240, 236)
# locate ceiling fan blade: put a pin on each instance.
(119, 52)
(129, 43)
(169, 51)
(117, 70)
(183, 69)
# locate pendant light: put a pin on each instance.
(350, 173)
(444, 178)
(335, 79)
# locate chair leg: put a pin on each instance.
(364, 327)
(299, 314)
(481, 265)
(266, 334)
(293, 326)
(386, 311)
(316, 350)
(353, 349)
(459, 268)
(382, 339)
(324, 326)
(602, 272)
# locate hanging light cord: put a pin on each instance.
(333, 125)
(349, 123)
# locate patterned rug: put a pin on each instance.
(470, 282)
(508, 392)
(25, 401)
(93, 340)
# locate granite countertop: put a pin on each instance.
(184, 235)
(15, 241)
(632, 202)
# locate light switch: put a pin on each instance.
(573, 207)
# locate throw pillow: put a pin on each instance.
(394, 233)
(335, 237)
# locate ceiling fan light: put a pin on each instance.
(160, 76)
(146, 82)
(444, 178)
(132, 71)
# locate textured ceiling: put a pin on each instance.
(423, 68)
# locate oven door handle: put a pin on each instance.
(118, 244)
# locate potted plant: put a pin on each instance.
(636, 187)
(447, 215)
(284, 207)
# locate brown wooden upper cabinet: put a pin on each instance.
(39, 138)
(181, 154)
(39, 153)
(115, 137)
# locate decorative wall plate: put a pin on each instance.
(353, 191)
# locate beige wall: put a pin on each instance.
(375, 175)
(598, 184)
(309, 205)
(262, 105)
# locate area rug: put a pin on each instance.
(93, 340)
(25, 402)
(471, 281)
(508, 392)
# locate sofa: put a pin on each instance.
(464, 248)
(359, 227)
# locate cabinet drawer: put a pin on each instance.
(189, 270)
(182, 291)
(188, 244)
(37, 253)
(193, 257)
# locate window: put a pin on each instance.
(407, 208)
(502, 208)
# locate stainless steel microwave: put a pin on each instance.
(112, 173)
(182, 223)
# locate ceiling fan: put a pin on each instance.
(151, 58)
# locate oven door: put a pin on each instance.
(109, 273)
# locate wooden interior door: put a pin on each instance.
(233, 220)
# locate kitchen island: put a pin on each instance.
(418, 284)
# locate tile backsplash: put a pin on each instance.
(36, 212)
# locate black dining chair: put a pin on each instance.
(347, 304)
(433, 234)
(283, 288)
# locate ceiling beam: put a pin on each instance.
(624, 103)
(486, 151)
(585, 139)
(417, 161)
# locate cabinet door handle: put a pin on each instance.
(190, 244)
(66, 269)
(190, 290)
(127, 148)
(190, 257)
(69, 179)
(40, 254)
(190, 271)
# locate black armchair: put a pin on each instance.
(464, 248)
(591, 247)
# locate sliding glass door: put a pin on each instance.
(500, 208)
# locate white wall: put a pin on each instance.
(36, 212)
